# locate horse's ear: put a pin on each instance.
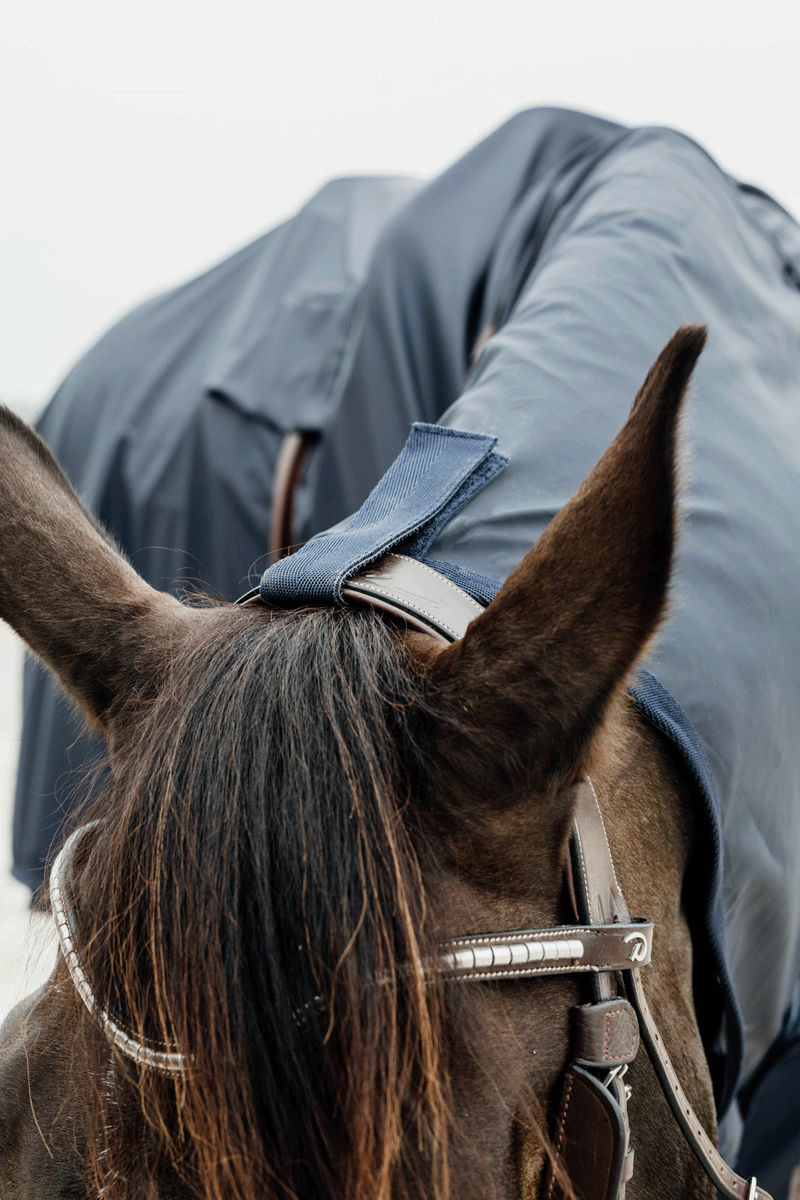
(534, 672)
(67, 590)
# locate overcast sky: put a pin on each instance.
(144, 141)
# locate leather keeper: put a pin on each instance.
(589, 1139)
(605, 1034)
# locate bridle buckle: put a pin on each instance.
(618, 1073)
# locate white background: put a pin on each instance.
(141, 142)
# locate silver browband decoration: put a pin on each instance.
(527, 951)
(567, 949)
(160, 1060)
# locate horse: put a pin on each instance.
(302, 806)
(343, 919)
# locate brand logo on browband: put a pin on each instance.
(639, 948)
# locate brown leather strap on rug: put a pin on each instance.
(288, 470)
(401, 587)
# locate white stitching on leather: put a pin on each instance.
(491, 939)
(605, 835)
(398, 597)
(462, 594)
(585, 873)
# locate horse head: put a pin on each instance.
(300, 807)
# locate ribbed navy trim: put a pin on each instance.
(662, 711)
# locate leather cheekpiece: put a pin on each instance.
(590, 1140)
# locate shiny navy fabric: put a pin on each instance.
(437, 472)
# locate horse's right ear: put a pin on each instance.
(67, 590)
(529, 682)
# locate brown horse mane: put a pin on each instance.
(276, 764)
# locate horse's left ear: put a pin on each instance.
(69, 592)
(533, 674)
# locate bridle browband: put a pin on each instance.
(125, 1040)
(604, 943)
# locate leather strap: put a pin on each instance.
(731, 1185)
(564, 949)
(288, 469)
(589, 1140)
(598, 899)
(408, 591)
(158, 1057)
(599, 884)
(415, 594)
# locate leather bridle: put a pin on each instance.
(591, 1138)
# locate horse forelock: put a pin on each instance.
(258, 898)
